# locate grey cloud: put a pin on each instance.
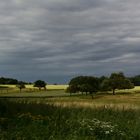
(57, 39)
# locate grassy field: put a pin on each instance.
(57, 95)
(30, 90)
(55, 115)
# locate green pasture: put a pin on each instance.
(34, 93)
(12, 90)
(60, 98)
(56, 115)
(57, 96)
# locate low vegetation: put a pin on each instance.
(29, 120)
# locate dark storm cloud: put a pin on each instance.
(55, 40)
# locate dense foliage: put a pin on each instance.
(87, 84)
(40, 84)
(9, 81)
(116, 81)
(90, 84)
(135, 80)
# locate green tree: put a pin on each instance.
(75, 83)
(71, 89)
(84, 88)
(105, 85)
(135, 80)
(88, 84)
(21, 85)
(127, 84)
(4, 80)
(119, 81)
(40, 84)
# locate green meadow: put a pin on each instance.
(30, 90)
(56, 115)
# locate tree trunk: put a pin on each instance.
(113, 91)
(45, 88)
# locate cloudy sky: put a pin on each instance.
(55, 40)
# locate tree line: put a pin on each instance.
(39, 84)
(90, 84)
(10, 81)
(135, 80)
(86, 84)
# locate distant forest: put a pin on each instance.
(10, 81)
(3, 80)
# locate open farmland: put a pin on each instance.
(30, 90)
(56, 95)
(55, 115)
(49, 87)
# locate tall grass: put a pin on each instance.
(26, 120)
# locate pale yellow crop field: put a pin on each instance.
(57, 86)
(50, 87)
(10, 86)
(63, 87)
(52, 90)
(137, 88)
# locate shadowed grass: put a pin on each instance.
(26, 120)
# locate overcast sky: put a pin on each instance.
(55, 40)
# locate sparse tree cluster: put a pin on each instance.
(39, 84)
(20, 84)
(90, 84)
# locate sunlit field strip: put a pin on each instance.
(31, 86)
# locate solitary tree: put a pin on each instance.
(119, 81)
(40, 84)
(20, 85)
